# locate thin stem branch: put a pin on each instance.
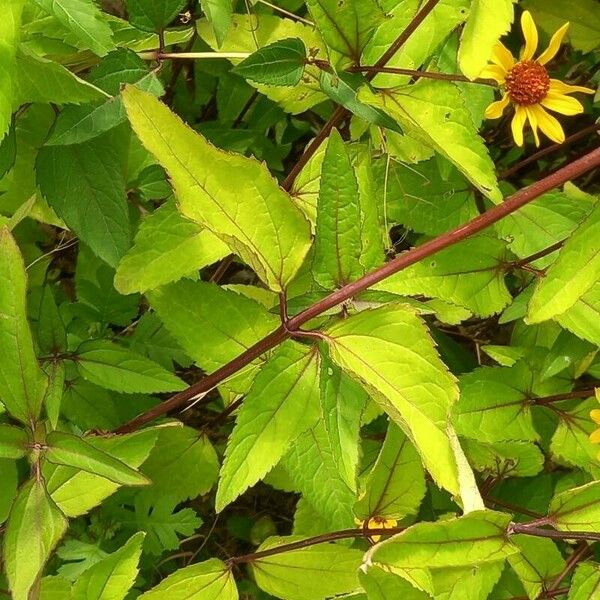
(525, 528)
(549, 150)
(479, 223)
(417, 73)
(566, 396)
(191, 55)
(533, 257)
(287, 13)
(580, 553)
(313, 541)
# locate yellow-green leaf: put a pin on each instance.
(233, 196)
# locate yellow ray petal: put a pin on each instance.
(565, 105)
(595, 415)
(502, 57)
(531, 116)
(494, 72)
(495, 109)
(564, 88)
(518, 123)
(530, 34)
(550, 52)
(548, 124)
(595, 437)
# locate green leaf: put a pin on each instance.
(166, 248)
(488, 20)
(8, 150)
(389, 350)
(246, 33)
(577, 509)
(583, 318)
(503, 411)
(183, 465)
(547, 220)
(112, 577)
(346, 25)
(41, 80)
(13, 442)
(84, 184)
(311, 467)
(218, 14)
(77, 124)
(34, 528)
(163, 524)
(281, 405)
(342, 404)
(212, 325)
(22, 382)
(153, 15)
(475, 582)
(10, 32)
(585, 584)
(584, 30)
(85, 20)
(420, 198)
(338, 243)
(477, 538)
(342, 89)
(504, 459)
(76, 492)
(117, 368)
(468, 274)
(266, 230)
(54, 391)
(279, 63)
(396, 485)
(435, 113)
(538, 563)
(568, 352)
(299, 574)
(72, 451)
(8, 490)
(380, 585)
(445, 17)
(208, 580)
(78, 556)
(574, 273)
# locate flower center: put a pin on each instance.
(527, 83)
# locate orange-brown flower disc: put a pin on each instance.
(527, 83)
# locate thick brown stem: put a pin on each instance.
(510, 205)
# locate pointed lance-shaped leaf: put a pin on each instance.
(22, 382)
(72, 451)
(34, 527)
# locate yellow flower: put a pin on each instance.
(527, 85)
(595, 416)
(379, 523)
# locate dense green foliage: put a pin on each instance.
(275, 321)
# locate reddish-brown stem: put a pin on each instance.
(407, 33)
(340, 113)
(580, 553)
(533, 257)
(512, 508)
(313, 541)
(566, 396)
(513, 529)
(548, 594)
(549, 150)
(424, 74)
(527, 529)
(510, 205)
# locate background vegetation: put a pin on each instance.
(282, 315)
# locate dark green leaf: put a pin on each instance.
(279, 63)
